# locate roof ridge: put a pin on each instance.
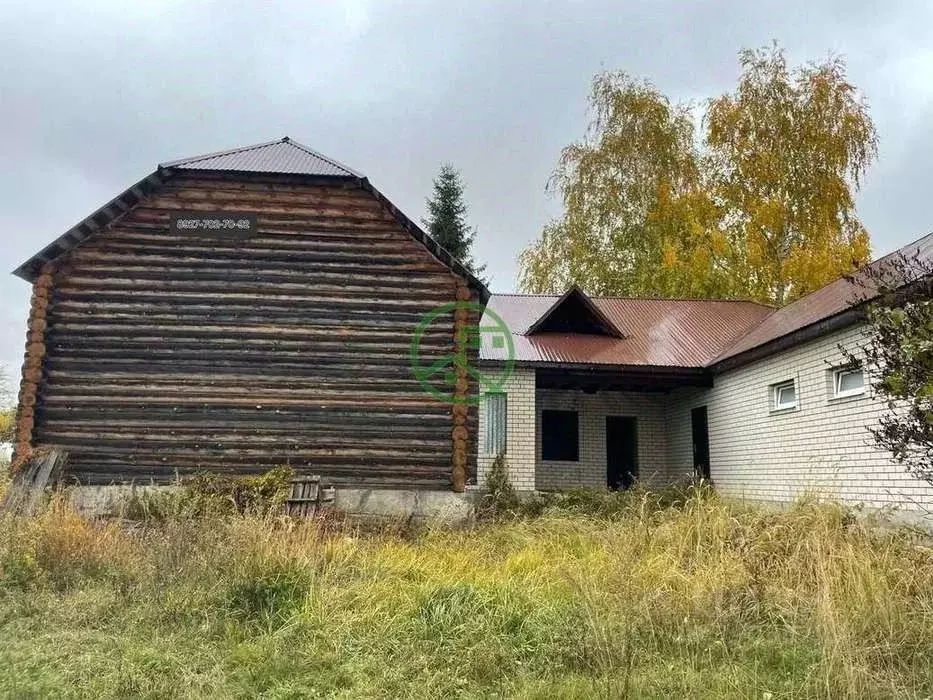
(226, 152)
(897, 251)
(521, 294)
(902, 250)
(637, 298)
(318, 154)
(690, 299)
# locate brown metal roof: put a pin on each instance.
(681, 332)
(820, 305)
(658, 332)
(283, 156)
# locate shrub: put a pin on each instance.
(598, 503)
(215, 494)
(211, 495)
(498, 498)
(60, 548)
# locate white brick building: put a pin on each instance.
(759, 400)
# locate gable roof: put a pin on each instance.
(816, 310)
(280, 157)
(283, 156)
(554, 319)
(655, 332)
(690, 333)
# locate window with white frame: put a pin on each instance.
(784, 395)
(848, 381)
(496, 409)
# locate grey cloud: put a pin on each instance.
(92, 99)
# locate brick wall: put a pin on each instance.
(822, 446)
(590, 470)
(520, 432)
(523, 445)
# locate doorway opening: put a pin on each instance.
(621, 452)
(700, 426)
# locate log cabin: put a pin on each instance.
(241, 310)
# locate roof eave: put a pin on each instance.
(116, 207)
(681, 370)
(433, 247)
(87, 227)
(169, 170)
(843, 319)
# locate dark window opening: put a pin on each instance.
(560, 436)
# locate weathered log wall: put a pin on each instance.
(167, 354)
(32, 366)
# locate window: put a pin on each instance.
(560, 436)
(848, 381)
(496, 420)
(784, 396)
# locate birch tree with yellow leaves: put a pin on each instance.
(759, 206)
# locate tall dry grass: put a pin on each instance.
(654, 596)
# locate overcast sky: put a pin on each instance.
(93, 99)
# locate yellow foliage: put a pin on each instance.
(762, 209)
(7, 424)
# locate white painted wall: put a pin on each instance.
(821, 446)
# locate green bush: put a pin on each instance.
(596, 503)
(498, 498)
(210, 495)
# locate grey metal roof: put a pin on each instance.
(283, 156)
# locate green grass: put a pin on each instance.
(653, 597)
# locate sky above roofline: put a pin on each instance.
(96, 99)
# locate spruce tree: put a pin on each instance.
(447, 218)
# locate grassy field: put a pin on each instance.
(648, 597)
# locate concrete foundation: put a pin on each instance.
(438, 506)
(110, 500)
